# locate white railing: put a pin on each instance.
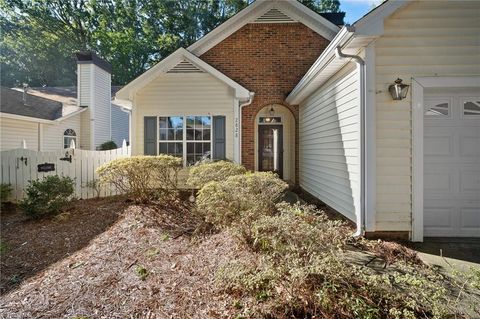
(19, 166)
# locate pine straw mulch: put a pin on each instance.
(140, 267)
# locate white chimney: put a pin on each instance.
(94, 92)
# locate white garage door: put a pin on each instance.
(452, 165)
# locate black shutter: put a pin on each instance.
(150, 135)
(219, 139)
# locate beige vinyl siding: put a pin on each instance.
(84, 79)
(183, 94)
(53, 133)
(101, 107)
(329, 143)
(120, 125)
(426, 38)
(13, 132)
(85, 129)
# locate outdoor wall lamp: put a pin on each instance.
(272, 111)
(398, 91)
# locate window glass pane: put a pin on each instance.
(162, 122)
(206, 135)
(179, 134)
(471, 108)
(190, 148)
(198, 148)
(171, 134)
(438, 109)
(163, 148)
(190, 122)
(270, 119)
(206, 121)
(198, 121)
(175, 122)
(163, 134)
(190, 134)
(206, 148)
(198, 135)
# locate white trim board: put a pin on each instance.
(161, 68)
(418, 86)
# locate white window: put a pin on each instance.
(188, 137)
(437, 108)
(471, 107)
(68, 136)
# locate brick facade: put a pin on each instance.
(268, 59)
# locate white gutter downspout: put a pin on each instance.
(240, 107)
(361, 68)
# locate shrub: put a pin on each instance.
(199, 175)
(5, 192)
(240, 198)
(304, 270)
(110, 145)
(47, 196)
(143, 178)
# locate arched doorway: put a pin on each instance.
(275, 141)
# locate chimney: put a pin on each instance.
(24, 95)
(94, 92)
(334, 17)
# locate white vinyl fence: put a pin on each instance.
(19, 166)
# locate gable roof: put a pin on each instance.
(351, 39)
(181, 61)
(266, 11)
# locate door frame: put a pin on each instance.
(418, 86)
(280, 126)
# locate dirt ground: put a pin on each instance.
(108, 260)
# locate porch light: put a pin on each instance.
(272, 111)
(398, 90)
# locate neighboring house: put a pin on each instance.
(49, 118)
(269, 89)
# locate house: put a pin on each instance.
(49, 118)
(280, 88)
(409, 166)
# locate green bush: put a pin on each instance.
(240, 198)
(143, 178)
(304, 270)
(205, 172)
(5, 192)
(110, 145)
(47, 196)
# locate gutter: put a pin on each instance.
(240, 106)
(361, 68)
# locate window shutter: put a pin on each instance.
(219, 139)
(150, 135)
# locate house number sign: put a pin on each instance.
(46, 167)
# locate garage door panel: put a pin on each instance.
(451, 172)
(439, 182)
(438, 145)
(469, 218)
(470, 181)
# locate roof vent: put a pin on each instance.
(274, 16)
(185, 67)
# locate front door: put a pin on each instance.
(270, 152)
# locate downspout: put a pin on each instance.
(240, 106)
(361, 68)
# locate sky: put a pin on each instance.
(355, 9)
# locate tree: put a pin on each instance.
(40, 37)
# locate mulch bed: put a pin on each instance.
(109, 259)
(32, 245)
